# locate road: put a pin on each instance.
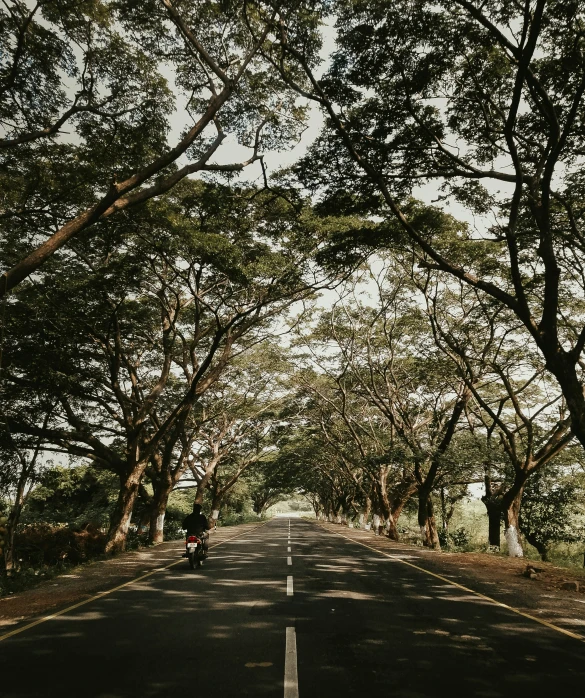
(290, 610)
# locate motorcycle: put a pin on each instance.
(195, 551)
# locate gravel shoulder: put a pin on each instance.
(500, 578)
(85, 581)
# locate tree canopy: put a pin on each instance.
(392, 320)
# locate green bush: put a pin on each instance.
(39, 545)
(460, 537)
(457, 539)
(234, 519)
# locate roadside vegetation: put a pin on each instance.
(389, 323)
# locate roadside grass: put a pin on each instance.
(469, 533)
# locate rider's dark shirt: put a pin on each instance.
(195, 524)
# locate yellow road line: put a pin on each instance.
(111, 591)
(552, 626)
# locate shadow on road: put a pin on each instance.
(366, 625)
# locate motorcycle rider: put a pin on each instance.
(196, 524)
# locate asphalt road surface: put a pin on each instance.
(291, 610)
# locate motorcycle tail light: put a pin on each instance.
(192, 539)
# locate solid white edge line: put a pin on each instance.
(291, 681)
(289, 560)
(289, 586)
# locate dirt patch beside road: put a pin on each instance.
(500, 578)
(83, 582)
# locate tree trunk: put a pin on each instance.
(120, 518)
(398, 499)
(383, 518)
(258, 504)
(492, 500)
(426, 513)
(494, 513)
(397, 506)
(202, 486)
(426, 520)
(389, 523)
(329, 510)
(367, 510)
(158, 510)
(13, 519)
(433, 533)
(563, 367)
(215, 507)
(392, 529)
(444, 514)
(9, 542)
(511, 509)
(539, 545)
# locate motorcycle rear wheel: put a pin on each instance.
(193, 560)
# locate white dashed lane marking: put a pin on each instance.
(291, 682)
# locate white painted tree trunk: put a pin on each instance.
(362, 517)
(376, 524)
(514, 547)
(160, 525)
(338, 519)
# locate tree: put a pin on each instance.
(513, 396)
(95, 68)
(312, 470)
(387, 357)
(21, 458)
(268, 484)
(138, 331)
(552, 509)
(483, 101)
(237, 432)
(238, 439)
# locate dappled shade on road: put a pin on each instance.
(365, 625)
